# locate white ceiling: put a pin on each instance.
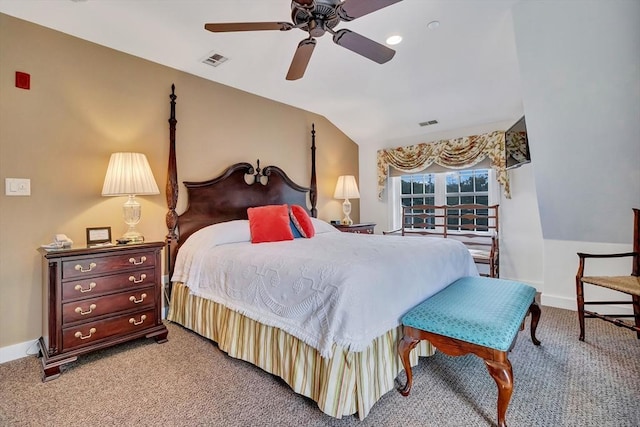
(463, 74)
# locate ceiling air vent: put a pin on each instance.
(215, 59)
(429, 123)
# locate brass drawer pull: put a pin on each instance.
(137, 301)
(91, 308)
(134, 262)
(133, 321)
(133, 279)
(81, 269)
(91, 286)
(79, 334)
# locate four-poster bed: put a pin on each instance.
(321, 313)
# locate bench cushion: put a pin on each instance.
(479, 310)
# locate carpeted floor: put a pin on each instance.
(189, 382)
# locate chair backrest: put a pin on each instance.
(636, 242)
(450, 220)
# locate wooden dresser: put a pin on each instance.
(364, 228)
(94, 298)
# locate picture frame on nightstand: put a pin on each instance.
(98, 236)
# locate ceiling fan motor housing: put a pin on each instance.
(316, 16)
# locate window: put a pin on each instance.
(467, 188)
(450, 188)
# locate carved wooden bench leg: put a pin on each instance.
(404, 349)
(534, 309)
(502, 374)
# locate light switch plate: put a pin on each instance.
(17, 186)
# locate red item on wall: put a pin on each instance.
(23, 80)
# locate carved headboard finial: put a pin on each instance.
(261, 176)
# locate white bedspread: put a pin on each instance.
(335, 288)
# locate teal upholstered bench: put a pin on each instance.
(477, 315)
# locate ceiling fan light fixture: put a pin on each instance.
(394, 39)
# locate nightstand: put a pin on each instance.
(95, 298)
(364, 228)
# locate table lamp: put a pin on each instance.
(129, 174)
(346, 189)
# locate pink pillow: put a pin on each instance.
(269, 224)
(302, 221)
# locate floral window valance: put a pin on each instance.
(458, 153)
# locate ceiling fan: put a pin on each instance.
(317, 17)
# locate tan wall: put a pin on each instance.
(87, 101)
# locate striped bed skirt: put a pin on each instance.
(345, 384)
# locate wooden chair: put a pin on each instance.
(476, 226)
(626, 284)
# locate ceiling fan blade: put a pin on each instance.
(352, 9)
(363, 46)
(301, 59)
(248, 26)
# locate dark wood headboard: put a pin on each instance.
(227, 196)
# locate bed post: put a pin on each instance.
(171, 193)
(313, 193)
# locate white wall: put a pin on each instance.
(580, 69)
(580, 72)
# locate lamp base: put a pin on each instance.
(346, 210)
(132, 212)
(346, 221)
(132, 236)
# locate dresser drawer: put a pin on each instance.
(88, 288)
(91, 332)
(93, 266)
(94, 307)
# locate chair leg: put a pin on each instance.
(580, 299)
(636, 313)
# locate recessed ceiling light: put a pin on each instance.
(393, 40)
(433, 25)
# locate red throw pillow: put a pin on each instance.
(269, 224)
(302, 221)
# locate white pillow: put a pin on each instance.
(322, 226)
(193, 250)
(221, 233)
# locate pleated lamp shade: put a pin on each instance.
(346, 188)
(129, 174)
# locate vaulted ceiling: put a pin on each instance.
(463, 73)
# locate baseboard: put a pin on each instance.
(570, 304)
(18, 351)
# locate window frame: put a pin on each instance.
(440, 193)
